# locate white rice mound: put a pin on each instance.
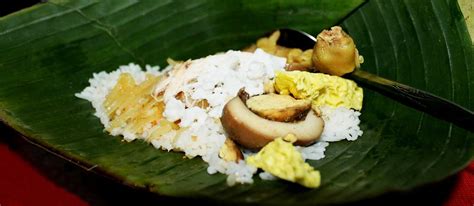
(217, 79)
(340, 123)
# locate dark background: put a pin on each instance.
(9, 6)
(79, 187)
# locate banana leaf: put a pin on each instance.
(48, 52)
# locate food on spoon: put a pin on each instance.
(252, 131)
(297, 59)
(282, 108)
(280, 158)
(335, 52)
(321, 89)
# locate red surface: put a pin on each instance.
(22, 183)
(463, 192)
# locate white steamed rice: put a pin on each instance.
(217, 79)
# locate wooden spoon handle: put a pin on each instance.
(418, 99)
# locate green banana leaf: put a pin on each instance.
(48, 52)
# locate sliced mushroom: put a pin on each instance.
(282, 108)
(252, 131)
(269, 87)
(230, 151)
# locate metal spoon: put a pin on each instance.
(412, 97)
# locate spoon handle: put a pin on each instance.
(421, 100)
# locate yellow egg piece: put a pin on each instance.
(280, 158)
(321, 89)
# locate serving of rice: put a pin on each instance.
(216, 79)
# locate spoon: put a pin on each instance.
(421, 100)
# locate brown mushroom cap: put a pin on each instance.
(252, 131)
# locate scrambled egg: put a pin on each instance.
(280, 158)
(321, 89)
